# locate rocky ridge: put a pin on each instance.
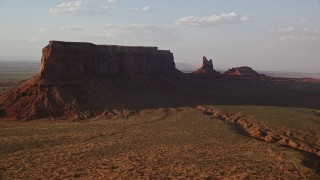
(304, 142)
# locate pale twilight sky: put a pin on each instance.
(264, 34)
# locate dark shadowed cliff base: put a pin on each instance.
(137, 116)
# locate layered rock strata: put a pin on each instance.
(84, 79)
(73, 60)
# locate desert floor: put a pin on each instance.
(158, 143)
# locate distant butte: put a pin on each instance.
(206, 68)
(243, 71)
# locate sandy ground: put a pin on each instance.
(182, 143)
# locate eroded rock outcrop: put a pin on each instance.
(206, 68)
(83, 80)
(243, 71)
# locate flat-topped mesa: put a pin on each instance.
(243, 71)
(76, 60)
(83, 79)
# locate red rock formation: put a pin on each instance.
(243, 71)
(83, 79)
(76, 60)
(206, 68)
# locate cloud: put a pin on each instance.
(136, 29)
(34, 39)
(146, 8)
(113, 1)
(71, 7)
(83, 7)
(42, 29)
(285, 29)
(291, 36)
(304, 20)
(113, 31)
(299, 39)
(142, 33)
(214, 20)
(69, 28)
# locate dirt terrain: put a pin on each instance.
(153, 143)
(13, 73)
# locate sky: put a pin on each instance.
(273, 35)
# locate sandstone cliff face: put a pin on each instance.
(76, 60)
(83, 80)
(242, 71)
